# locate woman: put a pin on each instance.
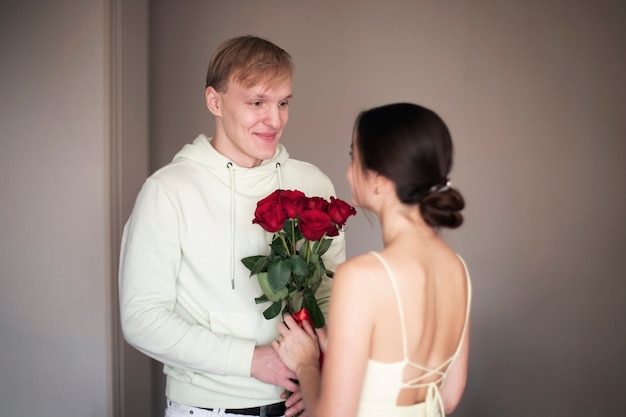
(398, 324)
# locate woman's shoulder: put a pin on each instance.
(363, 261)
(358, 278)
(360, 270)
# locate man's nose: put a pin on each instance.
(272, 117)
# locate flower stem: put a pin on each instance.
(307, 250)
(318, 243)
(293, 236)
(282, 238)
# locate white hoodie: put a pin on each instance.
(185, 297)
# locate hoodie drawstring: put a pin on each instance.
(280, 178)
(232, 223)
(229, 165)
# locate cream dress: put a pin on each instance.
(383, 381)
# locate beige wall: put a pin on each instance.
(532, 92)
(129, 78)
(74, 151)
(55, 257)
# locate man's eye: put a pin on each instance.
(283, 104)
(256, 103)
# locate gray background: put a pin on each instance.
(94, 95)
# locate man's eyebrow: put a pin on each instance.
(263, 95)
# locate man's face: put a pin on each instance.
(249, 121)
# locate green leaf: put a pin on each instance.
(315, 286)
(314, 259)
(294, 302)
(317, 316)
(298, 282)
(317, 276)
(277, 248)
(249, 261)
(310, 303)
(327, 272)
(320, 269)
(287, 229)
(262, 299)
(273, 294)
(324, 245)
(256, 264)
(299, 265)
(278, 272)
(273, 310)
(316, 269)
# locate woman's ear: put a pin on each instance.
(382, 185)
(213, 101)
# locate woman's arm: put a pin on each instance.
(453, 387)
(337, 390)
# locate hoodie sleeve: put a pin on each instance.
(149, 263)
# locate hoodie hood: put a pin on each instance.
(243, 183)
(249, 180)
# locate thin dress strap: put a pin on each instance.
(442, 368)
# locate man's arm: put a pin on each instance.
(149, 265)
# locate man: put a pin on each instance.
(185, 297)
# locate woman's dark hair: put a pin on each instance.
(411, 145)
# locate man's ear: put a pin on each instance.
(213, 101)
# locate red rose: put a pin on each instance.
(269, 213)
(339, 211)
(314, 224)
(292, 202)
(315, 203)
(332, 230)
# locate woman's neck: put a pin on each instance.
(403, 222)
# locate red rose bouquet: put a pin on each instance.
(292, 272)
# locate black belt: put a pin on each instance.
(272, 410)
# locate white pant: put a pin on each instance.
(179, 410)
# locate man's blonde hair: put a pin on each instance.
(249, 61)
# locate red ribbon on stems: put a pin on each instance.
(302, 316)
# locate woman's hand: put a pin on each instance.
(322, 338)
(297, 347)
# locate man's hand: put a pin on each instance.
(267, 367)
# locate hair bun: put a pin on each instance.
(442, 208)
